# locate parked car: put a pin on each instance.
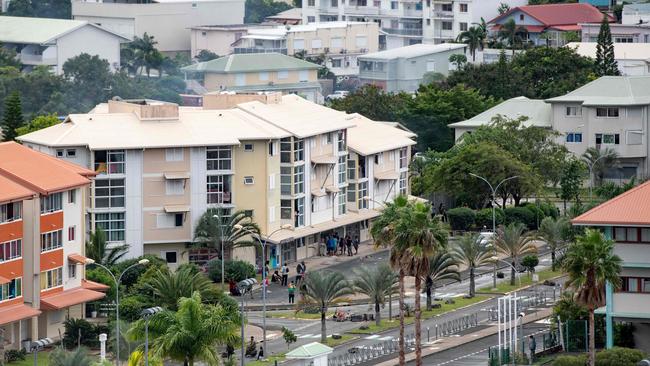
(338, 94)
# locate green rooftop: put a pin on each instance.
(537, 111)
(251, 62)
(310, 350)
(610, 90)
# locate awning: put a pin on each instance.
(177, 175)
(18, 312)
(95, 286)
(317, 192)
(332, 189)
(324, 159)
(77, 258)
(67, 298)
(177, 208)
(389, 175)
(4, 281)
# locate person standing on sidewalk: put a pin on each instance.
(285, 274)
(292, 292)
(532, 345)
(355, 243)
(348, 244)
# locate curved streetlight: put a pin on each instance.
(263, 245)
(147, 314)
(496, 259)
(118, 280)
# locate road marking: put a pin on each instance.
(374, 336)
(387, 338)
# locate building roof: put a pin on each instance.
(310, 350)
(251, 62)
(12, 191)
(67, 298)
(282, 30)
(40, 30)
(13, 313)
(640, 7)
(622, 51)
(37, 172)
(537, 111)
(411, 51)
(369, 137)
(629, 208)
(293, 13)
(558, 14)
(610, 90)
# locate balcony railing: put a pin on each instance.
(361, 10)
(413, 13)
(442, 14)
(29, 59)
(260, 50)
(403, 31)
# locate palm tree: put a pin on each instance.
(167, 286)
(222, 232)
(60, 357)
(421, 236)
(383, 231)
(442, 266)
(472, 252)
(553, 232)
(324, 289)
(600, 160)
(97, 250)
(190, 334)
(514, 242)
(590, 264)
(376, 283)
(474, 38)
(512, 33)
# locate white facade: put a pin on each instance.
(406, 22)
(168, 21)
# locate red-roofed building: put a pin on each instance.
(42, 225)
(626, 220)
(550, 19)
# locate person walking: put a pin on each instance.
(348, 244)
(355, 243)
(532, 345)
(260, 354)
(285, 274)
(300, 269)
(292, 292)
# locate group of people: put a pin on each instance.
(340, 246)
(282, 277)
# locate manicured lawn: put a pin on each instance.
(386, 324)
(269, 360)
(298, 315)
(526, 280)
(29, 360)
(335, 342)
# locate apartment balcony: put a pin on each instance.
(444, 34)
(29, 59)
(416, 13)
(361, 10)
(437, 14)
(414, 32)
(411, 1)
(260, 50)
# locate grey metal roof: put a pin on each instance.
(25, 30)
(251, 62)
(411, 51)
(537, 111)
(610, 90)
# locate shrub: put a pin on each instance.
(131, 307)
(13, 355)
(484, 217)
(619, 356)
(549, 209)
(522, 215)
(461, 218)
(530, 262)
(76, 329)
(235, 270)
(570, 361)
(538, 214)
(132, 276)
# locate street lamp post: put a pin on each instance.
(263, 245)
(118, 280)
(147, 314)
(39, 344)
(223, 259)
(591, 166)
(244, 285)
(494, 225)
(496, 259)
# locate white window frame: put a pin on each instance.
(573, 134)
(299, 44)
(52, 203)
(174, 187)
(283, 74)
(72, 270)
(577, 111)
(16, 212)
(15, 250)
(303, 76)
(110, 223)
(51, 240)
(639, 133)
(71, 153)
(249, 180)
(165, 220)
(264, 76)
(174, 154)
(53, 278)
(240, 79)
(249, 147)
(4, 289)
(222, 161)
(608, 110)
(316, 43)
(221, 186)
(113, 198)
(72, 232)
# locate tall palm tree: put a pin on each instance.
(61, 357)
(324, 289)
(472, 252)
(383, 231)
(167, 286)
(514, 242)
(553, 232)
(97, 249)
(600, 160)
(219, 231)
(190, 334)
(512, 33)
(474, 38)
(376, 283)
(590, 264)
(442, 266)
(421, 236)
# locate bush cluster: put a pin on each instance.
(617, 356)
(235, 270)
(529, 214)
(81, 329)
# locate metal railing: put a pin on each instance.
(403, 31)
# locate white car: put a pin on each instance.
(338, 94)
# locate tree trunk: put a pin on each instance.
(377, 314)
(472, 284)
(418, 325)
(390, 306)
(553, 260)
(428, 290)
(512, 274)
(402, 356)
(592, 338)
(323, 327)
(190, 361)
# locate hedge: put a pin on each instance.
(619, 356)
(521, 214)
(235, 270)
(484, 218)
(461, 218)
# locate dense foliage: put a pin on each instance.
(40, 8)
(257, 10)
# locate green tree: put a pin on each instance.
(206, 55)
(503, 8)
(472, 252)
(458, 60)
(378, 283)
(289, 336)
(255, 11)
(553, 232)
(89, 76)
(60, 357)
(573, 172)
(372, 102)
(167, 287)
(530, 262)
(442, 266)
(474, 38)
(513, 34)
(514, 242)
(323, 289)
(21, 8)
(590, 264)
(12, 118)
(190, 334)
(38, 123)
(97, 250)
(600, 160)
(8, 57)
(605, 59)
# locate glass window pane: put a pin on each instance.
(619, 234)
(632, 234)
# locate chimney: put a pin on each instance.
(145, 109)
(226, 100)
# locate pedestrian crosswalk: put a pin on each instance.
(377, 337)
(308, 335)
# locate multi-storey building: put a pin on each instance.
(626, 220)
(406, 22)
(285, 160)
(42, 230)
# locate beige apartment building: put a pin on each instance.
(285, 160)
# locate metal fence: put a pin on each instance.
(550, 340)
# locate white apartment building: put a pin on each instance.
(285, 160)
(407, 22)
(168, 21)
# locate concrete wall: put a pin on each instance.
(214, 40)
(215, 82)
(90, 40)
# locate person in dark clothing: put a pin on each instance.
(292, 292)
(355, 243)
(348, 244)
(285, 274)
(260, 354)
(532, 345)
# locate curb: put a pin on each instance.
(520, 289)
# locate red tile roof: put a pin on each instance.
(629, 208)
(14, 313)
(559, 14)
(12, 191)
(67, 298)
